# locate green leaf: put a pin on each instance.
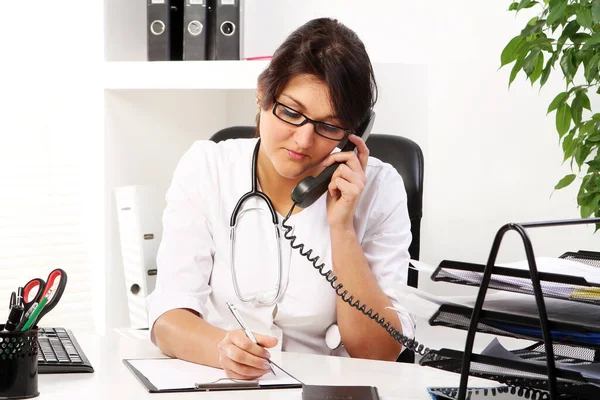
(569, 30)
(545, 74)
(584, 16)
(577, 109)
(595, 138)
(567, 65)
(582, 153)
(596, 117)
(539, 42)
(568, 145)
(596, 11)
(515, 70)
(558, 100)
(585, 181)
(534, 26)
(563, 119)
(531, 61)
(526, 4)
(556, 13)
(513, 6)
(548, 69)
(564, 182)
(580, 37)
(589, 206)
(537, 71)
(591, 68)
(585, 101)
(510, 52)
(594, 40)
(586, 128)
(586, 210)
(595, 164)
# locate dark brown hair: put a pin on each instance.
(333, 53)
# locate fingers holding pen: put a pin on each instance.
(243, 359)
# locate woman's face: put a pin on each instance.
(295, 151)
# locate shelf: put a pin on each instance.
(142, 75)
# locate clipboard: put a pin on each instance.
(170, 375)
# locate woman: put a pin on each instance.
(317, 90)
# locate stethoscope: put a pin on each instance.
(264, 299)
(333, 336)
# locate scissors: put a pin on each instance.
(31, 295)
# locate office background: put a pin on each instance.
(83, 113)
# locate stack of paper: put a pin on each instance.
(425, 305)
(591, 372)
(544, 264)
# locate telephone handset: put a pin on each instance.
(308, 190)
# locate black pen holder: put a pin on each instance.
(18, 364)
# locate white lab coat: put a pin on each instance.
(194, 269)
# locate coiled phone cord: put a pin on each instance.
(405, 341)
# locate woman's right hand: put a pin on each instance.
(241, 358)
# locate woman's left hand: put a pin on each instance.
(347, 184)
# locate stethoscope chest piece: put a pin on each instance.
(333, 337)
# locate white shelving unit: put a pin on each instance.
(195, 75)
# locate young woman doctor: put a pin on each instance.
(312, 97)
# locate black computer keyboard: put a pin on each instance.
(59, 352)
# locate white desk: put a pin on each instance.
(113, 380)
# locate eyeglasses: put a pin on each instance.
(293, 117)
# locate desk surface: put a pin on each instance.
(113, 380)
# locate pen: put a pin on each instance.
(26, 316)
(248, 332)
(16, 311)
(13, 300)
(20, 296)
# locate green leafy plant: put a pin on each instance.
(566, 32)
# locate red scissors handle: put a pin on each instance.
(33, 291)
(57, 291)
(36, 289)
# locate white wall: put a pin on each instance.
(493, 154)
(49, 88)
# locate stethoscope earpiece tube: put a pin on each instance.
(260, 299)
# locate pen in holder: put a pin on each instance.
(18, 364)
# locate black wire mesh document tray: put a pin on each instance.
(556, 368)
(580, 281)
(162, 375)
(517, 326)
(523, 373)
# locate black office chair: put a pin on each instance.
(404, 155)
